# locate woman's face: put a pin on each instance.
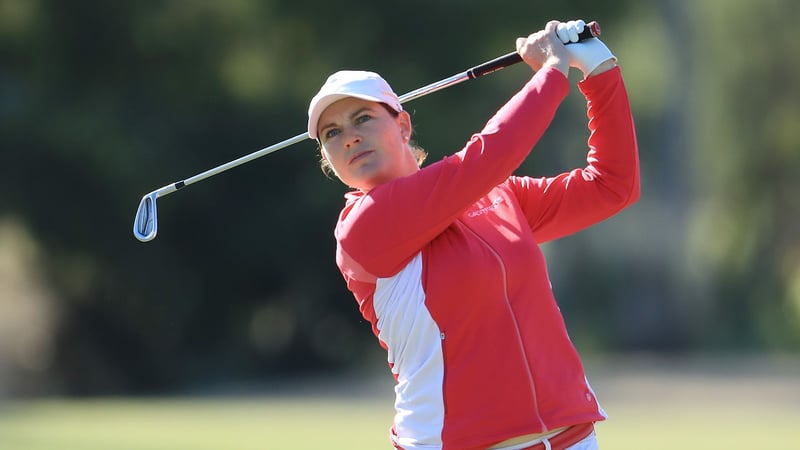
(366, 145)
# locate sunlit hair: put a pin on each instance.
(419, 153)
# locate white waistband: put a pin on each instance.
(527, 444)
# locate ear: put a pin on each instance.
(404, 121)
(325, 163)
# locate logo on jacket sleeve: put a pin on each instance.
(486, 209)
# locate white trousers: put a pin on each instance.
(588, 443)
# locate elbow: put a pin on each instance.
(620, 191)
(622, 194)
(635, 192)
(631, 194)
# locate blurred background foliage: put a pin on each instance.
(102, 102)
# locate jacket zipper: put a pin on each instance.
(514, 321)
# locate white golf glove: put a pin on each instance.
(585, 55)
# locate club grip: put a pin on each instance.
(592, 29)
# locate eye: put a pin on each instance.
(331, 132)
(363, 118)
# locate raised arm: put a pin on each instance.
(564, 204)
(381, 230)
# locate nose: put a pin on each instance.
(351, 137)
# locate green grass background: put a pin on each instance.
(651, 407)
(122, 424)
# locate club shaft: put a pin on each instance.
(475, 72)
(480, 70)
(592, 29)
(237, 162)
(417, 93)
(433, 87)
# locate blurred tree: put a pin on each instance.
(745, 213)
(101, 102)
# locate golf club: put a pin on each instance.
(145, 225)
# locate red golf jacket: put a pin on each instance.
(446, 266)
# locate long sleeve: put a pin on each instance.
(378, 232)
(564, 204)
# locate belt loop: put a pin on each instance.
(546, 443)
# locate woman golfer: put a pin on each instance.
(444, 260)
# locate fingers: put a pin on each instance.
(543, 48)
(568, 31)
(539, 38)
(531, 44)
(520, 42)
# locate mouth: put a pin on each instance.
(359, 155)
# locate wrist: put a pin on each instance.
(560, 64)
(603, 67)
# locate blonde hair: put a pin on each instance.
(419, 153)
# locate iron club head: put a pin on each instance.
(145, 226)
